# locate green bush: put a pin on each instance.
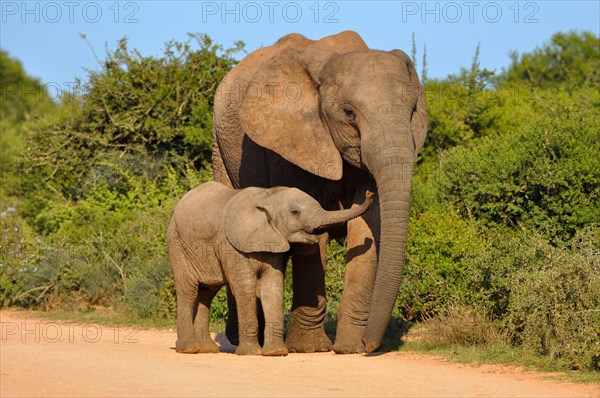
(102, 173)
(150, 291)
(544, 297)
(554, 305)
(23, 99)
(544, 177)
(19, 248)
(438, 242)
(570, 58)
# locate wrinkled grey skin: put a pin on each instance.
(329, 117)
(219, 235)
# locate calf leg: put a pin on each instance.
(270, 286)
(202, 338)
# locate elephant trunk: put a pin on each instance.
(324, 219)
(392, 169)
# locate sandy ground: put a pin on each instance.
(54, 358)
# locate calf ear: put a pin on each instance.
(248, 226)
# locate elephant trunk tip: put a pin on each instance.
(369, 197)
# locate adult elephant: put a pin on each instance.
(330, 117)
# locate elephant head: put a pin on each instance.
(318, 106)
(258, 219)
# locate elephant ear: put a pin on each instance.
(248, 226)
(418, 121)
(281, 111)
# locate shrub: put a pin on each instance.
(554, 305)
(18, 257)
(151, 291)
(438, 241)
(544, 177)
(572, 58)
(102, 173)
(544, 297)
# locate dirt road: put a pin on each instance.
(52, 358)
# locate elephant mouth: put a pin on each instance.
(313, 238)
(305, 237)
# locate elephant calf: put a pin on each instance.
(218, 236)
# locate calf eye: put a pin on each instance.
(349, 113)
(295, 213)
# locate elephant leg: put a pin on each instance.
(270, 286)
(204, 342)
(232, 326)
(359, 279)
(243, 286)
(187, 300)
(186, 341)
(306, 331)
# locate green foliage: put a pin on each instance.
(545, 297)
(543, 176)
(471, 105)
(23, 100)
(554, 304)
(570, 58)
(137, 117)
(101, 176)
(505, 189)
(434, 270)
(150, 291)
(334, 277)
(18, 256)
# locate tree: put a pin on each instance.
(571, 57)
(23, 99)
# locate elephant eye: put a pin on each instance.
(295, 213)
(349, 112)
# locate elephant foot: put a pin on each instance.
(349, 343)
(308, 340)
(194, 346)
(248, 349)
(274, 350)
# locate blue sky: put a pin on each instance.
(44, 35)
